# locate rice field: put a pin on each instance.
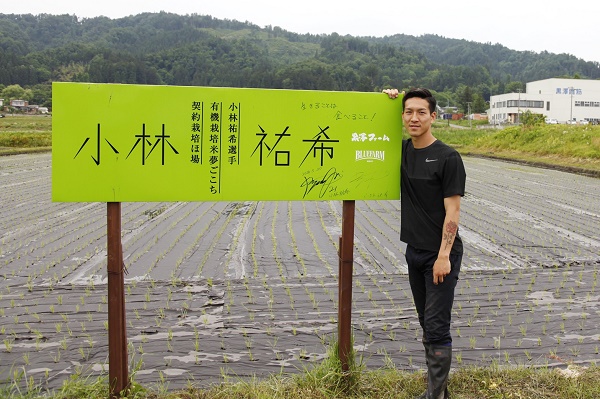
(225, 290)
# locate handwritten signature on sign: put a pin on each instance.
(324, 184)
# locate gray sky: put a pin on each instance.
(533, 25)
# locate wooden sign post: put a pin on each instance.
(117, 333)
(345, 284)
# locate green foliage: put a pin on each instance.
(16, 92)
(556, 140)
(26, 124)
(465, 96)
(503, 64)
(164, 48)
(21, 133)
(465, 383)
(514, 87)
(529, 119)
(25, 140)
(328, 377)
(479, 105)
(570, 147)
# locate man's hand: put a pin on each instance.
(441, 268)
(392, 93)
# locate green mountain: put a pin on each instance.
(165, 48)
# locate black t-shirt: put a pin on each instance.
(428, 175)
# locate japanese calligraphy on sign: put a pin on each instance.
(122, 143)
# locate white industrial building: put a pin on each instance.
(561, 100)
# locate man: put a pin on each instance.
(432, 184)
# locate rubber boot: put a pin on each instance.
(427, 347)
(439, 359)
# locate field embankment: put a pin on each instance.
(21, 134)
(572, 148)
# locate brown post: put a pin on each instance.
(117, 333)
(345, 284)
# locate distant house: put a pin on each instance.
(19, 104)
(478, 117)
(24, 106)
(447, 112)
(1, 103)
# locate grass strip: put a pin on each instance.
(326, 380)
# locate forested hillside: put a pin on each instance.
(500, 61)
(170, 49)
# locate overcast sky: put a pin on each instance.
(572, 28)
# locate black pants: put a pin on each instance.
(433, 302)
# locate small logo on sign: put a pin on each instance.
(370, 156)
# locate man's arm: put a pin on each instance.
(441, 267)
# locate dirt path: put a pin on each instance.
(248, 288)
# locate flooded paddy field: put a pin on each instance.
(234, 289)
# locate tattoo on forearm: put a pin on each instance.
(451, 229)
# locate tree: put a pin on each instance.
(465, 96)
(42, 95)
(164, 48)
(16, 92)
(529, 119)
(479, 105)
(514, 87)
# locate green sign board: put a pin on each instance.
(122, 143)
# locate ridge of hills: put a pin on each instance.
(166, 48)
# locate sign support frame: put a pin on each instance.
(117, 327)
(345, 284)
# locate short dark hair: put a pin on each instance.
(421, 93)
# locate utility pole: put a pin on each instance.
(519, 108)
(571, 90)
(469, 114)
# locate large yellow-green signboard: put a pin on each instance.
(121, 143)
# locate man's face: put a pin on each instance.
(416, 117)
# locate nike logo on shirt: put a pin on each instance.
(430, 160)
